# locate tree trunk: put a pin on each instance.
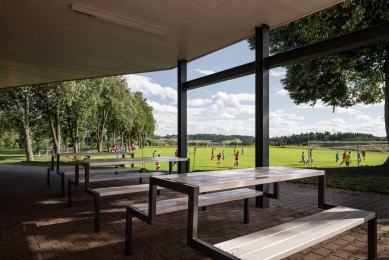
(386, 89)
(75, 138)
(121, 139)
(26, 130)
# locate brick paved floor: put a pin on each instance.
(35, 222)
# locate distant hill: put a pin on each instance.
(295, 139)
(302, 139)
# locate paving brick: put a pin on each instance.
(35, 223)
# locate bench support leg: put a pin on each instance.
(128, 240)
(158, 192)
(262, 201)
(140, 180)
(48, 177)
(322, 200)
(63, 185)
(203, 208)
(246, 211)
(69, 193)
(97, 212)
(372, 238)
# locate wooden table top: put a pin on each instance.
(110, 162)
(236, 178)
(93, 154)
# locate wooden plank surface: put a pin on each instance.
(123, 189)
(93, 154)
(229, 179)
(109, 162)
(286, 239)
(177, 204)
(107, 170)
(95, 178)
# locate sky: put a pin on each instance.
(228, 107)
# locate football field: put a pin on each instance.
(279, 156)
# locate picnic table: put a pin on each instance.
(335, 219)
(87, 164)
(87, 155)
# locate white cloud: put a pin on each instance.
(277, 73)
(231, 103)
(205, 72)
(281, 92)
(199, 102)
(362, 117)
(162, 108)
(147, 87)
(351, 111)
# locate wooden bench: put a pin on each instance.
(98, 178)
(103, 192)
(71, 171)
(177, 204)
(289, 238)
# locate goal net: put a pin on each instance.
(358, 148)
(216, 144)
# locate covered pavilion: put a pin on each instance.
(54, 41)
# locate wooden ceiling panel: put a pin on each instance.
(45, 41)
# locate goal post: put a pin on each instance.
(358, 146)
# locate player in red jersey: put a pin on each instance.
(158, 165)
(213, 154)
(236, 159)
(219, 159)
(176, 154)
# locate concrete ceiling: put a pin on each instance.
(45, 41)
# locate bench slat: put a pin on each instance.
(177, 204)
(123, 189)
(96, 178)
(93, 171)
(289, 238)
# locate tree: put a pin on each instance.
(111, 99)
(344, 79)
(144, 121)
(16, 104)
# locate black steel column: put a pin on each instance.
(262, 107)
(182, 114)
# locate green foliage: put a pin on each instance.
(343, 79)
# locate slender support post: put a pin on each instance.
(52, 163)
(322, 200)
(193, 214)
(63, 185)
(128, 241)
(58, 158)
(372, 238)
(262, 107)
(152, 202)
(170, 167)
(182, 114)
(77, 174)
(69, 193)
(97, 212)
(246, 211)
(48, 177)
(86, 175)
(132, 156)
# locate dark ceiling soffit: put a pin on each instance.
(345, 42)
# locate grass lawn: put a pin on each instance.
(344, 178)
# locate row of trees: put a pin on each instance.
(303, 138)
(103, 109)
